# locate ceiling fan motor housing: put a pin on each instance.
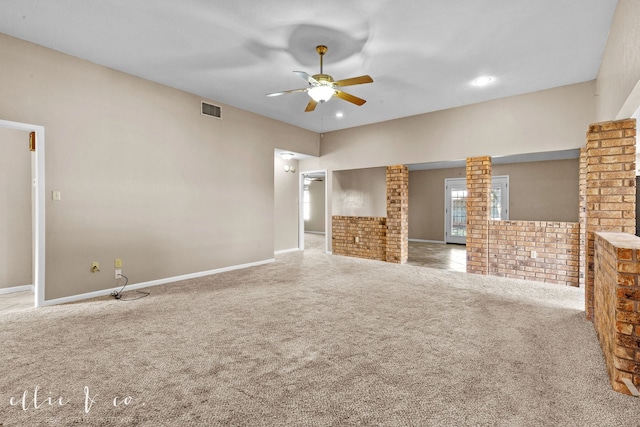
(323, 78)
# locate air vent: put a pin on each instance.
(211, 110)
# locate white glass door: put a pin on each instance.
(455, 210)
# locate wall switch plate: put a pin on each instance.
(95, 267)
(56, 195)
(534, 254)
(117, 263)
(118, 274)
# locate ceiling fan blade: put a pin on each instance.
(311, 106)
(354, 81)
(307, 77)
(348, 97)
(287, 91)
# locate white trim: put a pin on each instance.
(104, 292)
(284, 251)
(301, 230)
(315, 232)
(38, 211)
(427, 241)
(15, 289)
(449, 184)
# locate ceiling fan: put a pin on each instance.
(322, 86)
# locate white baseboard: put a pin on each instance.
(427, 241)
(284, 251)
(133, 287)
(15, 289)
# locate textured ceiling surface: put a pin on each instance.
(422, 55)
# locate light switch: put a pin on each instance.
(57, 195)
(117, 263)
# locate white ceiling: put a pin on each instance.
(422, 54)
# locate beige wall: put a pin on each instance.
(549, 120)
(317, 215)
(426, 202)
(15, 209)
(360, 192)
(542, 191)
(286, 203)
(618, 82)
(144, 177)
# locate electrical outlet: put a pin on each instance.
(95, 267)
(117, 263)
(534, 254)
(118, 274)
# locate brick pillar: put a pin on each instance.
(582, 215)
(478, 214)
(610, 188)
(617, 315)
(397, 214)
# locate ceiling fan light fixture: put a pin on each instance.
(321, 93)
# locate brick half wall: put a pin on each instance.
(617, 306)
(362, 237)
(555, 245)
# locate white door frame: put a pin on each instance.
(301, 209)
(37, 206)
(453, 183)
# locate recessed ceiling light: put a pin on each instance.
(482, 81)
(339, 114)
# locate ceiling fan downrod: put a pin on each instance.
(321, 49)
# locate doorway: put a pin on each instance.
(313, 213)
(37, 203)
(455, 209)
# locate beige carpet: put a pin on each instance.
(314, 340)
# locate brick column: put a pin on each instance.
(397, 214)
(610, 188)
(582, 214)
(617, 315)
(478, 214)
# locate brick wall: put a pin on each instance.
(556, 247)
(478, 211)
(582, 212)
(610, 189)
(382, 239)
(617, 305)
(362, 237)
(397, 214)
